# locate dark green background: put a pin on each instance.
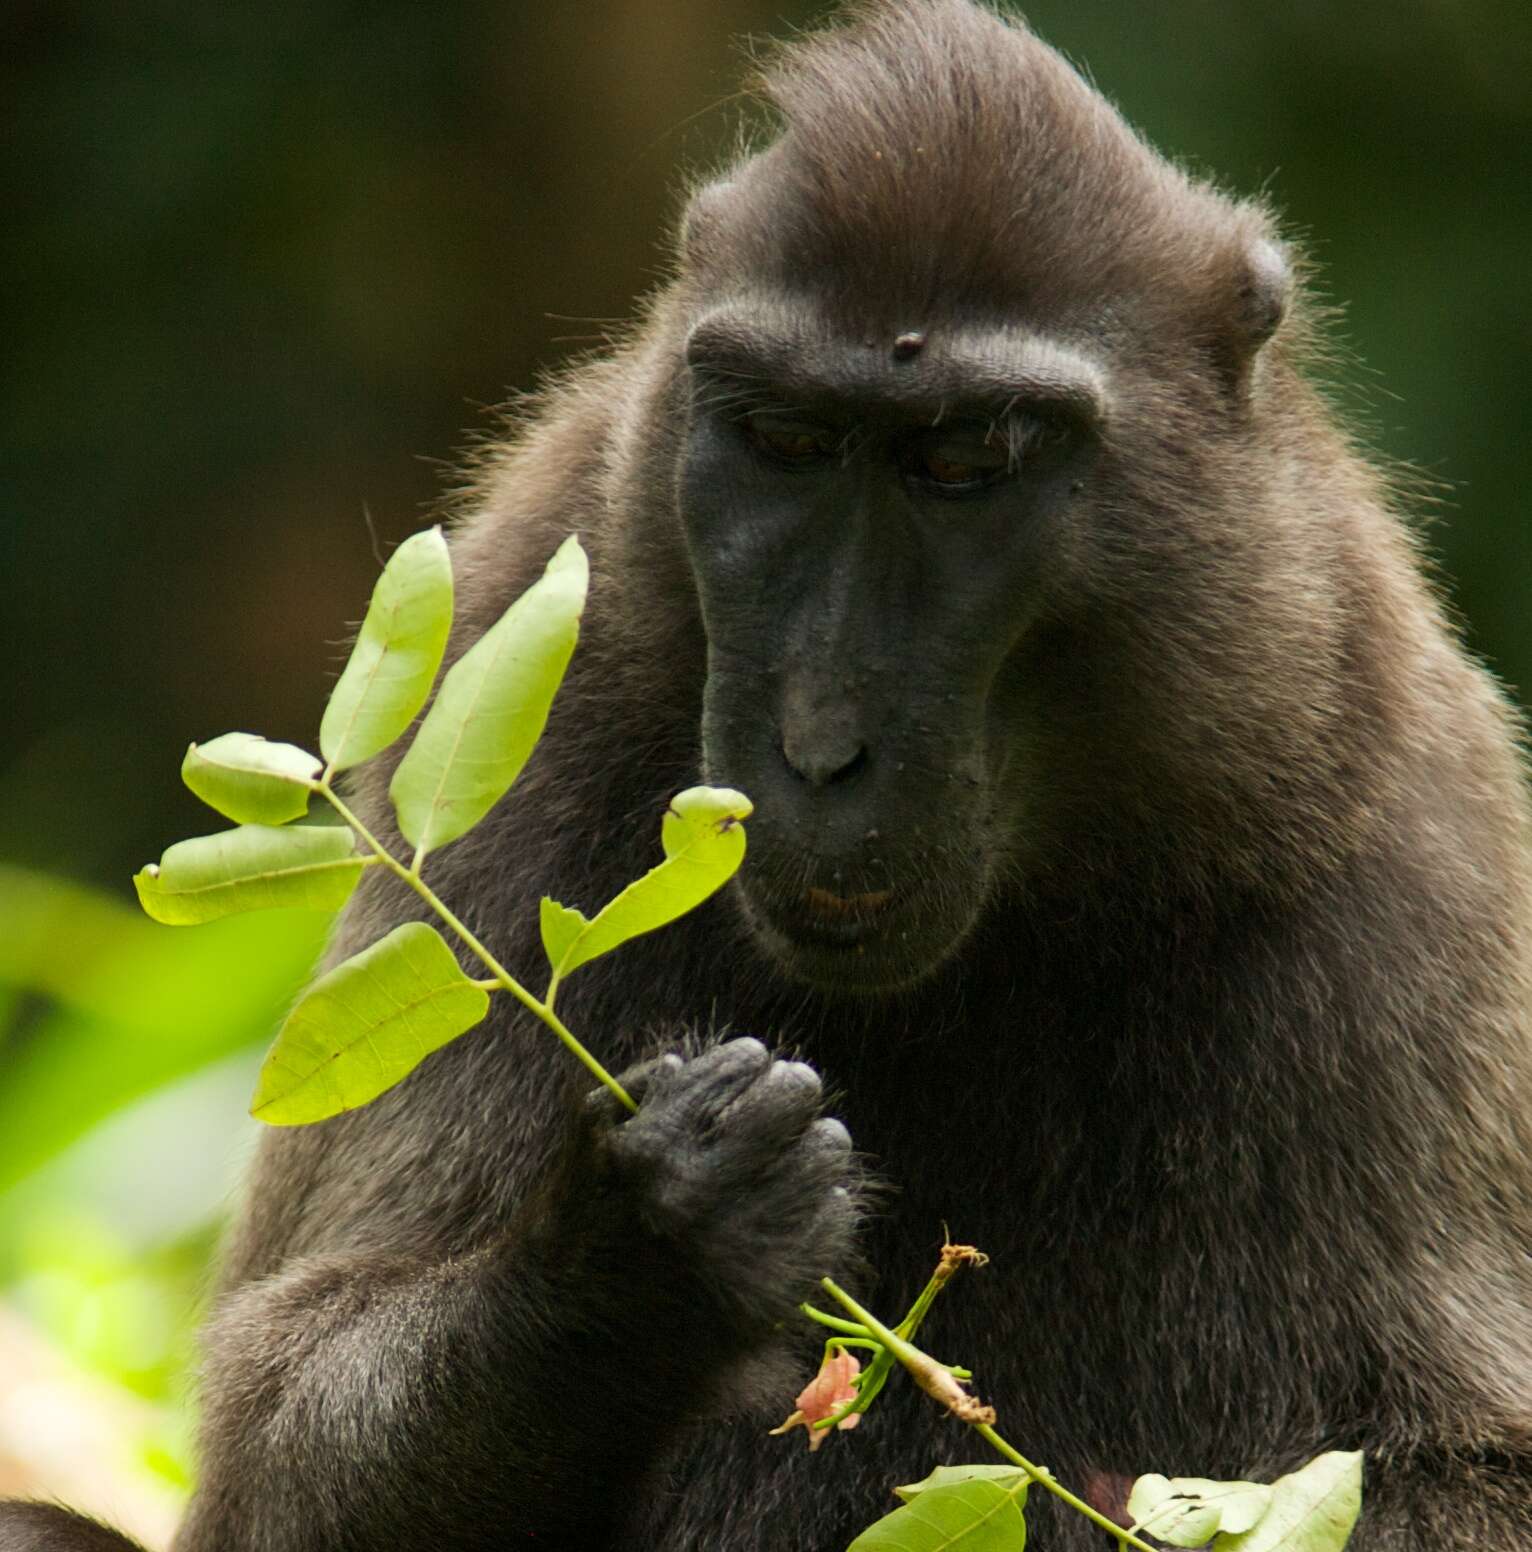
(265, 266)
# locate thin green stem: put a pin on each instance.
(918, 1363)
(501, 977)
(906, 1352)
(834, 1322)
(922, 1306)
(1045, 1479)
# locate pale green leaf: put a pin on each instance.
(1148, 1493)
(1011, 1479)
(253, 868)
(561, 928)
(1312, 1510)
(1240, 1504)
(365, 1025)
(1186, 1511)
(491, 709)
(1183, 1522)
(398, 650)
(977, 1515)
(703, 838)
(250, 780)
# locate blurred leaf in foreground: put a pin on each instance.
(114, 1006)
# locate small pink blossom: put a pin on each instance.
(825, 1394)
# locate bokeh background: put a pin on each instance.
(266, 268)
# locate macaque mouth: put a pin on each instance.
(822, 919)
(817, 920)
(838, 908)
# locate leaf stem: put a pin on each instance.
(906, 1352)
(922, 1305)
(834, 1322)
(1045, 1479)
(500, 975)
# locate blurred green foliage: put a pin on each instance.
(263, 264)
(128, 1051)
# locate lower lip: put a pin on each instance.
(815, 933)
(869, 955)
(845, 964)
(807, 928)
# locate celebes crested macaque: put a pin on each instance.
(1136, 852)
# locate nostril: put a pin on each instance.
(852, 767)
(824, 765)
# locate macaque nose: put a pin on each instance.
(823, 757)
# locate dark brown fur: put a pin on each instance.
(1225, 1060)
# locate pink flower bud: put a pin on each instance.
(824, 1395)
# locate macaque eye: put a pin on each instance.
(960, 459)
(789, 441)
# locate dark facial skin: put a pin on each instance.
(871, 530)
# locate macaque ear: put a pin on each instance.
(1260, 289)
(1263, 296)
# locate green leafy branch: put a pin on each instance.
(370, 1020)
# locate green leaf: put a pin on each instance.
(491, 709)
(1011, 1479)
(1176, 1507)
(1312, 1510)
(249, 780)
(365, 1025)
(704, 842)
(1182, 1521)
(253, 868)
(1189, 1511)
(398, 650)
(976, 1515)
